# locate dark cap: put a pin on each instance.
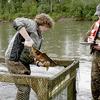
(97, 10)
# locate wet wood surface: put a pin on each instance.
(47, 84)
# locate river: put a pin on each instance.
(62, 41)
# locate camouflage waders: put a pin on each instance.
(95, 76)
(23, 91)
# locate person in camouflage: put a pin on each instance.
(17, 56)
(95, 47)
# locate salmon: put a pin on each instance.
(43, 58)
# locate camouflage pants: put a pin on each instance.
(95, 76)
(23, 91)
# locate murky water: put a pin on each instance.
(62, 41)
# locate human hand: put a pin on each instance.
(90, 39)
(44, 64)
(96, 47)
(28, 43)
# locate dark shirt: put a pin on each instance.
(16, 50)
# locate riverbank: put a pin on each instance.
(77, 9)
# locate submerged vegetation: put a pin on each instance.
(78, 9)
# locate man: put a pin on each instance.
(17, 56)
(94, 37)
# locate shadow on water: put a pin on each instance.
(62, 41)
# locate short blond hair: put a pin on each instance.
(44, 19)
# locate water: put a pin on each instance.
(62, 41)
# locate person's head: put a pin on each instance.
(44, 22)
(97, 13)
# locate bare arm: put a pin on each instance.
(28, 41)
(86, 36)
(24, 33)
(89, 32)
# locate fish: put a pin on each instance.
(43, 58)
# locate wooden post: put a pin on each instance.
(71, 90)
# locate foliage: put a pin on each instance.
(43, 8)
(78, 9)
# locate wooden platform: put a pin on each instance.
(47, 84)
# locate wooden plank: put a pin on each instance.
(69, 68)
(56, 90)
(71, 90)
(38, 84)
(19, 79)
(62, 79)
(47, 87)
